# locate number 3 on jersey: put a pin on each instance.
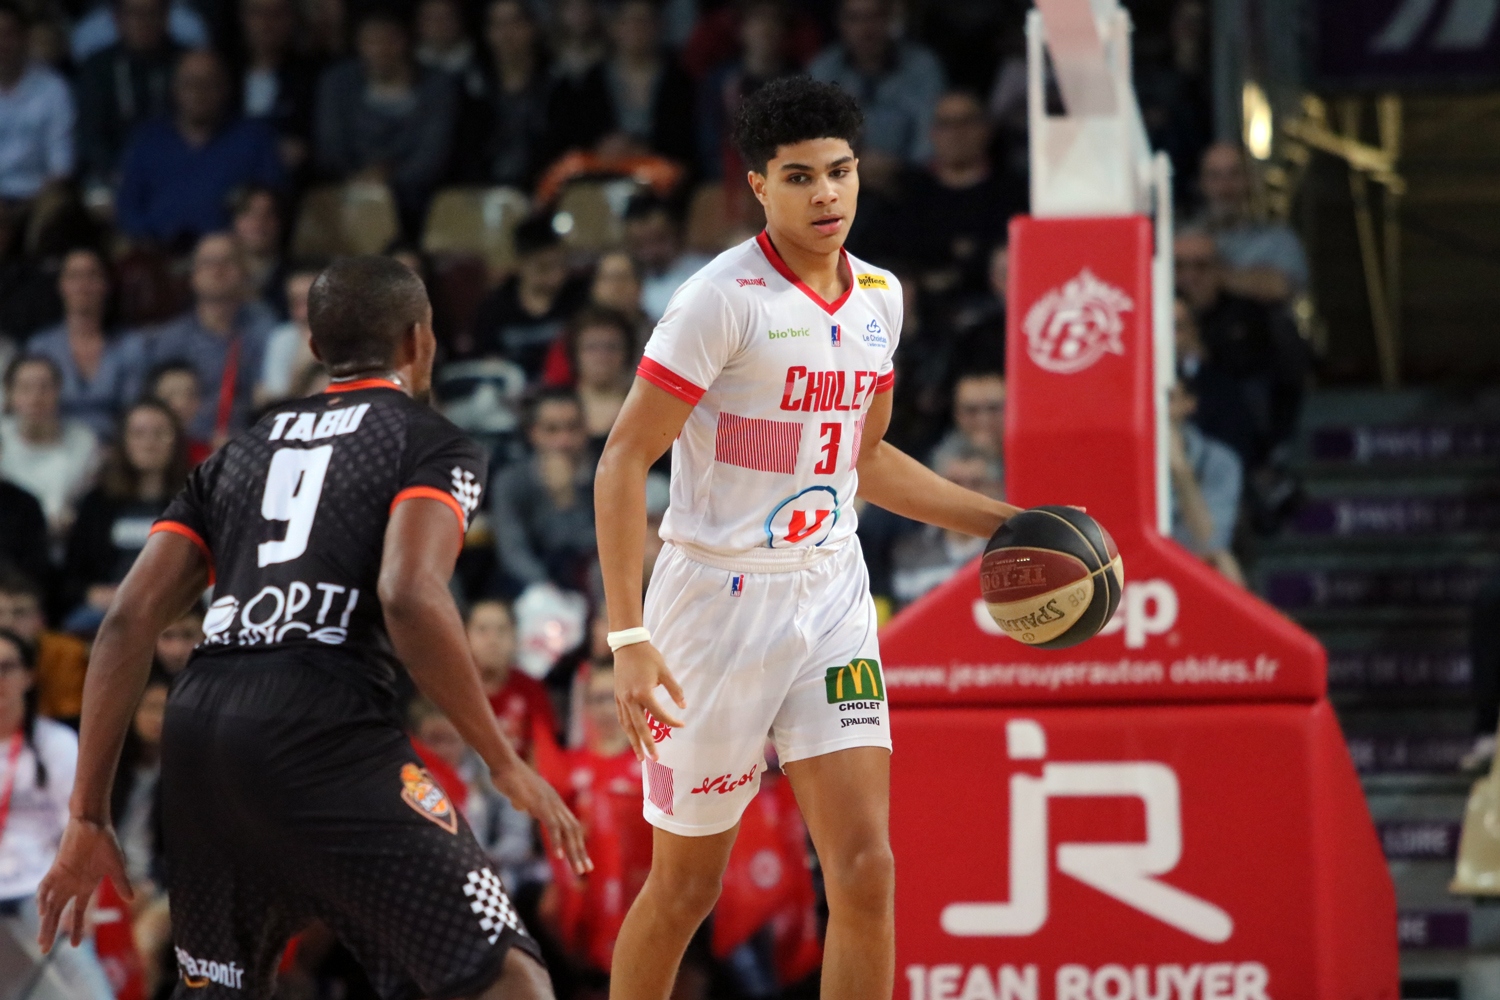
(831, 434)
(294, 485)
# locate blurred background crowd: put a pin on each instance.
(174, 173)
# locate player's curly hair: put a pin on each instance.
(790, 110)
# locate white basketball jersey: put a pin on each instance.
(780, 382)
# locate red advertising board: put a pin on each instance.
(1080, 429)
(1134, 853)
(1165, 812)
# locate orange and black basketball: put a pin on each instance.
(1052, 577)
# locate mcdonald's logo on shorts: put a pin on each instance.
(857, 680)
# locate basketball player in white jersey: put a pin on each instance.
(771, 371)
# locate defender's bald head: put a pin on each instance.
(360, 308)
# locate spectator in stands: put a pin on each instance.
(178, 640)
(61, 659)
(617, 286)
(520, 320)
(542, 506)
(1251, 377)
(28, 283)
(1262, 260)
(520, 702)
(38, 785)
(763, 57)
(136, 813)
(289, 350)
(511, 111)
(178, 173)
(443, 43)
(255, 219)
(897, 83)
(223, 337)
(601, 350)
(653, 237)
(978, 321)
(133, 799)
(23, 534)
(383, 118)
(958, 204)
(600, 779)
(100, 27)
(922, 559)
(176, 384)
(1206, 482)
(640, 99)
(51, 457)
(144, 469)
(120, 87)
(578, 41)
(978, 418)
(278, 84)
(36, 114)
(96, 364)
(1175, 92)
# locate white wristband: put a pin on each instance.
(627, 637)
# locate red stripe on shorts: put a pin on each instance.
(763, 445)
(659, 781)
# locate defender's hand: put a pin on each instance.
(529, 793)
(639, 668)
(87, 855)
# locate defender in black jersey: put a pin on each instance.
(289, 792)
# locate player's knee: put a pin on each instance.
(522, 977)
(864, 880)
(688, 897)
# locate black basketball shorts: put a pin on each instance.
(290, 794)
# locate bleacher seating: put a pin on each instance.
(353, 218)
(476, 220)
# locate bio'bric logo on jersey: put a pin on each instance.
(1074, 325)
(790, 333)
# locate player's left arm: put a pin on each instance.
(169, 574)
(890, 478)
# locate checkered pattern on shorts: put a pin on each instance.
(487, 898)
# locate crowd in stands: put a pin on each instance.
(158, 160)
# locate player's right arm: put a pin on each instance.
(647, 425)
(422, 540)
(167, 577)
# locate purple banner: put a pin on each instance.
(1418, 840)
(1408, 754)
(1446, 587)
(1406, 442)
(1350, 516)
(1407, 43)
(1361, 670)
(1427, 929)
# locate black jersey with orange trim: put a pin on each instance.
(292, 515)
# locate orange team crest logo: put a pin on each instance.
(427, 798)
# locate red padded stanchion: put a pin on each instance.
(1166, 812)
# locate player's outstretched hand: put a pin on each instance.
(531, 794)
(87, 855)
(639, 670)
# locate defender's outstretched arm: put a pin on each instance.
(167, 577)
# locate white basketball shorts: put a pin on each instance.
(791, 655)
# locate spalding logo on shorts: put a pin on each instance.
(425, 796)
(1071, 327)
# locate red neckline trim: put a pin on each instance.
(769, 249)
(364, 383)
